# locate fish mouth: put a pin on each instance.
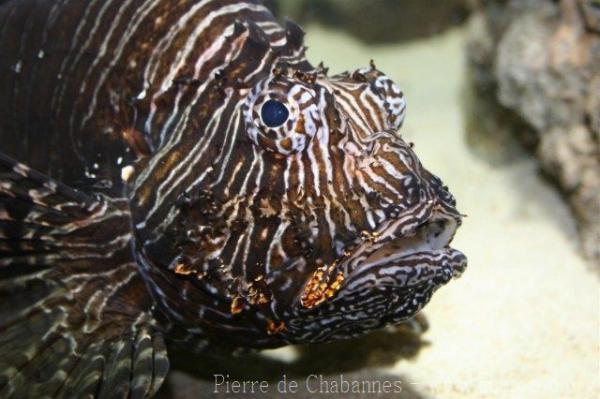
(433, 237)
(410, 251)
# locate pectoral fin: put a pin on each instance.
(75, 314)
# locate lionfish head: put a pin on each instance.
(308, 216)
(362, 230)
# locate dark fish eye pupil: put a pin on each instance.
(274, 113)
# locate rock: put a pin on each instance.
(591, 14)
(538, 62)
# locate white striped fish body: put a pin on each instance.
(209, 187)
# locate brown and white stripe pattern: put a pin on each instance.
(71, 322)
(319, 228)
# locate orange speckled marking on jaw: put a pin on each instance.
(256, 294)
(275, 328)
(237, 305)
(183, 270)
(319, 289)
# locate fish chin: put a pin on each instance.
(386, 279)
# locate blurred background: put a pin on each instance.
(504, 105)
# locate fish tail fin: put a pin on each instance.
(75, 315)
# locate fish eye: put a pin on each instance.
(277, 122)
(273, 113)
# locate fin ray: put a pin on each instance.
(75, 314)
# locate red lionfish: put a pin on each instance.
(179, 173)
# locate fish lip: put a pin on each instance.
(398, 232)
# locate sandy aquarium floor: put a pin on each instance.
(522, 322)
